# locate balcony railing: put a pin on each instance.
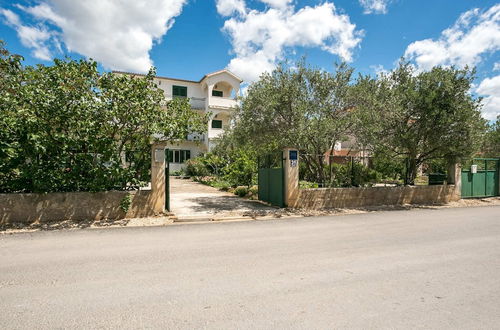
(196, 137)
(197, 103)
(222, 102)
(214, 133)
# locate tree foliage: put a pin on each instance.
(297, 106)
(491, 147)
(419, 115)
(66, 127)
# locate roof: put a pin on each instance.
(222, 71)
(185, 80)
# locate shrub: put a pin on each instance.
(126, 202)
(254, 190)
(241, 169)
(196, 167)
(306, 184)
(221, 185)
(177, 173)
(241, 191)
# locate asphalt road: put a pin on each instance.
(425, 269)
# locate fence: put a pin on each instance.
(317, 171)
(300, 196)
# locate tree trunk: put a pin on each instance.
(411, 171)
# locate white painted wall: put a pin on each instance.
(201, 99)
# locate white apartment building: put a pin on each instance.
(215, 93)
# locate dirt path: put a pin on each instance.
(191, 200)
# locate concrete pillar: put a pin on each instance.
(158, 177)
(291, 170)
(455, 178)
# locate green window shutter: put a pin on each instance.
(179, 91)
(170, 156)
(216, 123)
(217, 93)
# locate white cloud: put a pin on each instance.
(490, 89)
(379, 69)
(277, 3)
(228, 7)
(260, 38)
(473, 35)
(374, 6)
(30, 36)
(118, 34)
(496, 66)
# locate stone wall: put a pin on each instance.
(29, 208)
(374, 196)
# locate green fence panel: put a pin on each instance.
(484, 183)
(466, 184)
(478, 184)
(271, 186)
(491, 183)
(276, 193)
(263, 181)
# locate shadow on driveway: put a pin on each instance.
(191, 199)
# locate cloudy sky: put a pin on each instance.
(188, 38)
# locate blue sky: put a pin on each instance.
(188, 38)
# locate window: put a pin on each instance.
(179, 91)
(217, 93)
(178, 156)
(216, 123)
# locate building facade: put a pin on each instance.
(215, 93)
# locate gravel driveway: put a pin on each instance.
(191, 200)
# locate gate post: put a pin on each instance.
(455, 178)
(291, 176)
(158, 177)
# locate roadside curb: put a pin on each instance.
(206, 219)
(200, 220)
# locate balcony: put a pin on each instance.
(222, 102)
(197, 103)
(196, 137)
(214, 133)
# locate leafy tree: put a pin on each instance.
(10, 84)
(491, 146)
(298, 106)
(66, 127)
(419, 116)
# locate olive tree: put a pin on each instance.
(419, 115)
(297, 106)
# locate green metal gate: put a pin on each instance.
(167, 180)
(483, 183)
(271, 180)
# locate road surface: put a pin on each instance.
(428, 269)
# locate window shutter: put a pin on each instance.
(180, 91)
(216, 123)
